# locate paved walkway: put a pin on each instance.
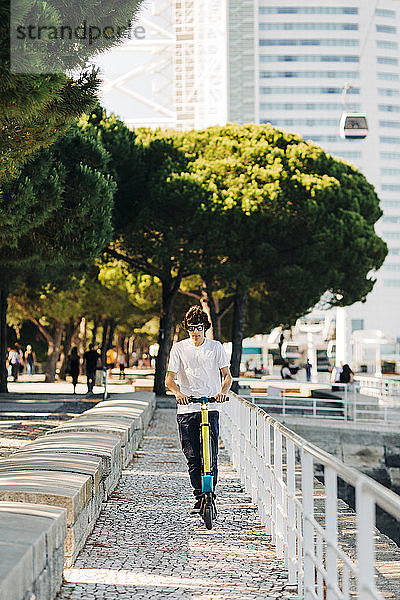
(145, 544)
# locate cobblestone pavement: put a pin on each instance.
(145, 544)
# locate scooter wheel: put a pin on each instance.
(208, 516)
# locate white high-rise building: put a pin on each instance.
(174, 73)
(305, 52)
(284, 62)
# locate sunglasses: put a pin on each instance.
(194, 327)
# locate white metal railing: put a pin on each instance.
(276, 467)
(380, 387)
(104, 383)
(349, 405)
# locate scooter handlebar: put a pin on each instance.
(203, 399)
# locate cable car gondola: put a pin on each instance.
(353, 126)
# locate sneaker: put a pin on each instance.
(195, 510)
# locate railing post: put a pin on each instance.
(278, 477)
(268, 477)
(259, 458)
(307, 487)
(365, 507)
(331, 532)
(355, 410)
(253, 455)
(246, 450)
(105, 393)
(345, 407)
(291, 525)
(242, 453)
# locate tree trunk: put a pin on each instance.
(208, 305)
(104, 342)
(169, 291)
(125, 345)
(111, 333)
(3, 338)
(83, 335)
(131, 349)
(239, 316)
(218, 320)
(94, 330)
(53, 353)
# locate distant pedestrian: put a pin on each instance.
(335, 376)
(14, 362)
(308, 370)
(30, 360)
(260, 371)
(8, 364)
(293, 368)
(111, 357)
(20, 358)
(121, 363)
(347, 375)
(285, 371)
(251, 365)
(134, 359)
(90, 359)
(73, 366)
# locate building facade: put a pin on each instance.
(283, 62)
(306, 52)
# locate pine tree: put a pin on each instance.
(37, 107)
(74, 192)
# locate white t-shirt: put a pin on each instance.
(198, 370)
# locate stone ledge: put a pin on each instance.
(62, 462)
(32, 563)
(123, 428)
(76, 466)
(70, 491)
(105, 446)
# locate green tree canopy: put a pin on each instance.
(37, 107)
(247, 208)
(71, 180)
(158, 212)
(301, 222)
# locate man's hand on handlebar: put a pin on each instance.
(221, 397)
(182, 399)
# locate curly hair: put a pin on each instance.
(194, 316)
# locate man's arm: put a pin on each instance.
(226, 385)
(171, 385)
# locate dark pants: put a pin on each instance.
(91, 378)
(15, 371)
(189, 433)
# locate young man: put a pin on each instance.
(198, 364)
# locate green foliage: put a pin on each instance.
(36, 108)
(157, 205)
(65, 197)
(124, 165)
(131, 298)
(243, 205)
(291, 217)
